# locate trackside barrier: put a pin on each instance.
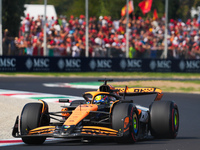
(69, 64)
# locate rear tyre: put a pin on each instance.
(164, 119)
(128, 112)
(32, 117)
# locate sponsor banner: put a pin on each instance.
(158, 65)
(37, 64)
(8, 64)
(69, 64)
(129, 65)
(100, 64)
(187, 65)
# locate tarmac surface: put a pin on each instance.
(189, 130)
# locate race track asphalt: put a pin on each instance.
(189, 109)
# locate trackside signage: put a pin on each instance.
(69, 64)
(38, 64)
(8, 64)
(100, 64)
(160, 65)
(131, 64)
(189, 65)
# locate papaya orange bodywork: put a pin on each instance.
(139, 111)
(142, 91)
(139, 90)
(100, 128)
(80, 113)
(44, 106)
(42, 130)
(159, 96)
(65, 114)
(95, 130)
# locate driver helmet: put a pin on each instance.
(101, 99)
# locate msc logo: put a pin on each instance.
(100, 64)
(69, 63)
(40, 62)
(73, 63)
(7, 62)
(37, 63)
(160, 64)
(130, 64)
(189, 64)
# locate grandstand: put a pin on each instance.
(66, 37)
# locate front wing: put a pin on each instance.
(69, 131)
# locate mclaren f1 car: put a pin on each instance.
(105, 113)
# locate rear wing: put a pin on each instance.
(140, 91)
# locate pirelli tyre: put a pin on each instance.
(164, 119)
(125, 119)
(32, 117)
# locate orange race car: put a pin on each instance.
(105, 113)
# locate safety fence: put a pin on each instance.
(78, 64)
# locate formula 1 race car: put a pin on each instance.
(105, 113)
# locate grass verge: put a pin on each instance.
(166, 86)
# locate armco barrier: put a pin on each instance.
(69, 64)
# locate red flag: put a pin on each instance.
(130, 8)
(155, 14)
(145, 6)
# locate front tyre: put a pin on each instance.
(164, 119)
(125, 116)
(32, 117)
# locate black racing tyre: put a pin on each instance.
(164, 119)
(32, 117)
(119, 113)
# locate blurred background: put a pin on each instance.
(24, 27)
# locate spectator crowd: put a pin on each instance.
(107, 37)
